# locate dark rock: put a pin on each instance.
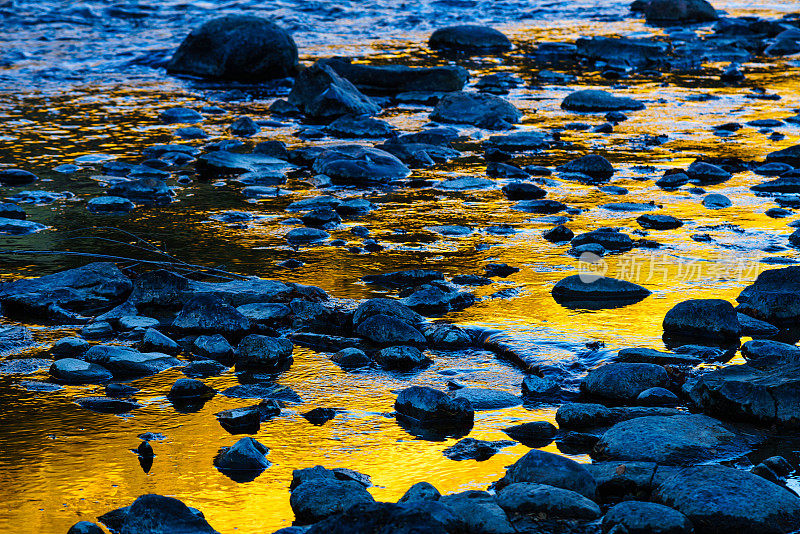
(523, 191)
(236, 47)
(519, 141)
(706, 173)
(500, 270)
(477, 109)
(623, 381)
(72, 371)
(646, 517)
(244, 461)
(421, 491)
(536, 388)
(120, 390)
(317, 499)
(208, 314)
(593, 100)
(657, 397)
(109, 205)
(85, 527)
(588, 290)
(147, 191)
(107, 404)
(320, 416)
(68, 347)
(658, 222)
(544, 206)
(674, 440)
(400, 358)
(608, 239)
(155, 341)
(479, 512)
(469, 39)
(532, 499)
(753, 327)
(249, 168)
(213, 347)
(677, 12)
(244, 127)
(180, 115)
(188, 390)
(559, 234)
(11, 211)
(351, 358)
(265, 313)
(16, 177)
(592, 165)
(715, 201)
(264, 354)
(354, 164)
(773, 297)
(622, 53)
(418, 517)
(125, 362)
(487, 399)
(388, 330)
(712, 319)
(547, 468)
(534, 434)
(395, 79)
(351, 127)
(246, 420)
(714, 497)
(204, 369)
(59, 297)
(790, 156)
(433, 300)
(428, 406)
(321, 93)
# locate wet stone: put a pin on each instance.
(321, 93)
(357, 164)
(16, 177)
(477, 109)
(532, 499)
(487, 399)
(244, 127)
(107, 405)
(659, 222)
(469, 39)
(401, 358)
(636, 516)
(11, 211)
(593, 100)
(552, 469)
(180, 115)
(475, 449)
(534, 434)
(623, 381)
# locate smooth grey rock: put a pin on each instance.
(547, 468)
(529, 498)
(594, 100)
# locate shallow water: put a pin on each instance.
(73, 86)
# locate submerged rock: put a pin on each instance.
(236, 47)
(477, 109)
(487, 399)
(592, 165)
(475, 449)
(534, 434)
(244, 461)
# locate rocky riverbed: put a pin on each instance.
(448, 266)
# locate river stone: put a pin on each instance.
(537, 388)
(125, 362)
(592, 165)
(204, 368)
(417, 517)
(85, 527)
(593, 100)
(622, 53)
(155, 341)
(260, 169)
(208, 314)
(72, 371)
(354, 164)
(675, 440)
(16, 177)
(264, 354)
(146, 191)
(154, 514)
(421, 491)
(534, 434)
(658, 222)
(715, 201)
(744, 392)
(236, 47)
(755, 328)
(348, 126)
(706, 173)
(58, 297)
(214, 347)
(395, 79)
(189, 390)
(389, 330)
(601, 290)
(523, 191)
(318, 498)
(721, 499)
(552, 469)
(646, 518)
(487, 399)
(478, 109)
(478, 512)
(773, 297)
(432, 300)
(107, 405)
(608, 239)
(678, 12)
(790, 156)
(110, 205)
(469, 39)
(351, 358)
(68, 347)
(763, 353)
(401, 358)
(519, 141)
(712, 319)
(321, 93)
(623, 381)
(390, 307)
(647, 355)
(529, 498)
(247, 454)
(428, 406)
(475, 449)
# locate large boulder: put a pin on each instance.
(469, 39)
(416, 517)
(155, 514)
(318, 498)
(553, 470)
(529, 498)
(646, 518)
(720, 499)
(399, 78)
(677, 12)
(478, 109)
(245, 460)
(712, 319)
(674, 440)
(623, 381)
(387, 330)
(622, 52)
(790, 156)
(125, 362)
(354, 164)
(236, 47)
(479, 512)
(210, 315)
(594, 100)
(747, 392)
(63, 296)
(428, 406)
(264, 354)
(321, 93)
(401, 358)
(774, 297)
